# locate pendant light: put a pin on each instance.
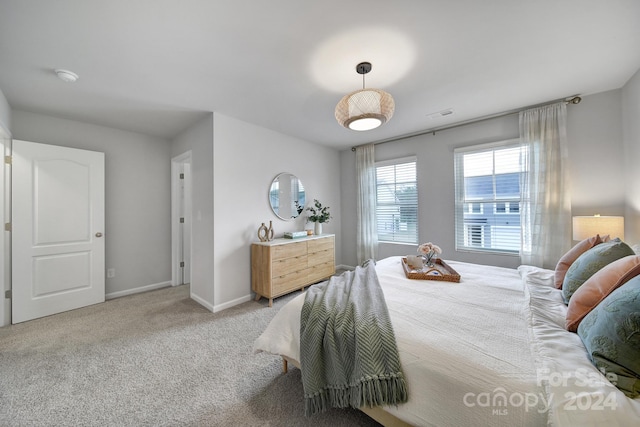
(365, 109)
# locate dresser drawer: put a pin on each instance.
(318, 245)
(289, 250)
(288, 265)
(321, 271)
(321, 257)
(288, 282)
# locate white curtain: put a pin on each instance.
(546, 199)
(367, 232)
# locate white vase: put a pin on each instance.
(318, 228)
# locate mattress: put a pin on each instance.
(490, 350)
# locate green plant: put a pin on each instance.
(319, 213)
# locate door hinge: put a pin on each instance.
(7, 226)
(181, 176)
(181, 263)
(7, 294)
(181, 220)
(7, 159)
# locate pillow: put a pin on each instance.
(590, 262)
(567, 259)
(611, 335)
(599, 286)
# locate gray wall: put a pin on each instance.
(594, 130)
(246, 159)
(5, 113)
(137, 194)
(631, 137)
(199, 139)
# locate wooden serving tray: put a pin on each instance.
(440, 271)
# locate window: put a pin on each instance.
(397, 201)
(488, 180)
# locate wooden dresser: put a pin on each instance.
(285, 265)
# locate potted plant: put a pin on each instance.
(319, 215)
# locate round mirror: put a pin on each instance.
(287, 196)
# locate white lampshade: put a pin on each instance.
(588, 226)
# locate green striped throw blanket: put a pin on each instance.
(348, 351)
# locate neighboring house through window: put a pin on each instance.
(488, 184)
(397, 201)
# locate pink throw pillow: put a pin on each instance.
(597, 287)
(569, 258)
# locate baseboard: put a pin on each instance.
(230, 304)
(202, 302)
(146, 288)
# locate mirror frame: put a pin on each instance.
(275, 186)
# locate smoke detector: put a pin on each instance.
(67, 76)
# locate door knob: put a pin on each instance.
(98, 234)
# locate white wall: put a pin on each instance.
(137, 195)
(246, 159)
(596, 157)
(199, 139)
(631, 137)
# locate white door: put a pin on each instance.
(57, 229)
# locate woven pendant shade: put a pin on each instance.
(365, 109)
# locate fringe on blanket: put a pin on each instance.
(373, 391)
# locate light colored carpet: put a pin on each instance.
(153, 359)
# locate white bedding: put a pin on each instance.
(490, 350)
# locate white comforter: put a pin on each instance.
(490, 350)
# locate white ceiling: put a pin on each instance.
(157, 66)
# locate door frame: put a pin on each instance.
(177, 165)
(5, 217)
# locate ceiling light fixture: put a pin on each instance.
(67, 76)
(365, 109)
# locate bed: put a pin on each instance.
(490, 350)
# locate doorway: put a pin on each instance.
(181, 219)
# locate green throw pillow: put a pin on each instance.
(590, 262)
(611, 334)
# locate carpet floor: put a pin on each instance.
(152, 359)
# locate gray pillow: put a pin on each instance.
(611, 334)
(590, 262)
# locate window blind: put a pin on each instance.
(488, 185)
(397, 201)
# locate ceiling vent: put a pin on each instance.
(439, 114)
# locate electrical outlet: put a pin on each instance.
(111, 273)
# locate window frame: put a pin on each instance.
(462, 229)
(397, 162)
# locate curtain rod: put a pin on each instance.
(571, 100)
